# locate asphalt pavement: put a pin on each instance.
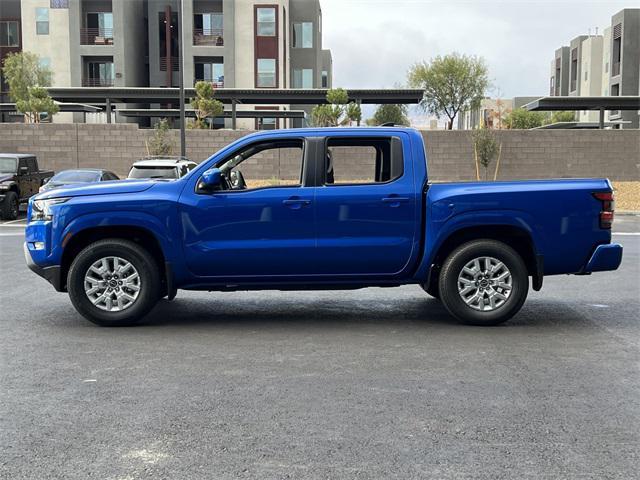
(373, 383)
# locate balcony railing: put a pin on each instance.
(175, 66)
(208, 36)
(96, 36)
(97, 82)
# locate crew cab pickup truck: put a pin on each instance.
(20, 178)
(349, 208)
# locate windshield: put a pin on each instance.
(8, 165)
(153, 172)
(76, 176)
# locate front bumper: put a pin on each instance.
(51, 274)
(604, 258)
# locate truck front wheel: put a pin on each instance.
(10, 206)
(114, 282)
(483, 282)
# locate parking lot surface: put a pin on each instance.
(374, 383)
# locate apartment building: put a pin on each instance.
(602, 65)
(135, 43)
(10, 42)
(624, 78)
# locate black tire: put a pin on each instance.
(432, 290)
(144, 263)
(466, 253)
(10, 206)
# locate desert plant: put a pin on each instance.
(160, 143)
(485, 147)
(26, 78)
(205, 105)
(337, 111)
(451, 84)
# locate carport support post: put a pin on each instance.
(233, 113)
(108, 110)
(601, 126)
(359, 102)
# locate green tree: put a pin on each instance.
(519, 118)
(390, 113)
(451, 84)
(160, 143)
(564, 116)
(26, 78)
(337, 111)
(205, 105)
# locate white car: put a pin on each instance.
(162, 167)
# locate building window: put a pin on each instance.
(99, 29)
(266, 72)
(208, 29)
(42, 21)
(303, 78)
(325, 79)
(617, 50)
(267, 123)
(586, 75)
(9, 34)
(99, 74)
(303, 35)
(615, 90)
(45, 62)
(266, 22)
(59, 4)
(211, 71)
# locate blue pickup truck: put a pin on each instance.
(345, 208)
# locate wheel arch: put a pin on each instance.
(516, 237)
(74, 244)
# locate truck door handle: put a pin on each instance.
(395, 199)
(296, 202)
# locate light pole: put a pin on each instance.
(183, 142)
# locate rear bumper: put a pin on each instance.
(605, 257)
(50, 274)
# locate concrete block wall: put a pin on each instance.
(525, 153)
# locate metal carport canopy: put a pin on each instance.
(174, 112)
(585, 103)
(93, 95)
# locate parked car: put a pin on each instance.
(162, 167)
(71, 178)
(20, 178)
(475, 246)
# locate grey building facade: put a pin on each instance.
(624, 78)
(607, 64)
(135, 43)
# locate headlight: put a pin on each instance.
(4, 188)
(41, 209)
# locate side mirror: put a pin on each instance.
(46, 180)
(210, 180)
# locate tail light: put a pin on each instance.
(608, 207)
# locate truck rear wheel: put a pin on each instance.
(10, 206)
(114, 282)
(484, 282)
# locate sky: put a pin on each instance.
(374, 42)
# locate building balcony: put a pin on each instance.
(97, 82)
(96, 36)
(175, 64)
(208, 36)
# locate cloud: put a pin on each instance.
(374, 42)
